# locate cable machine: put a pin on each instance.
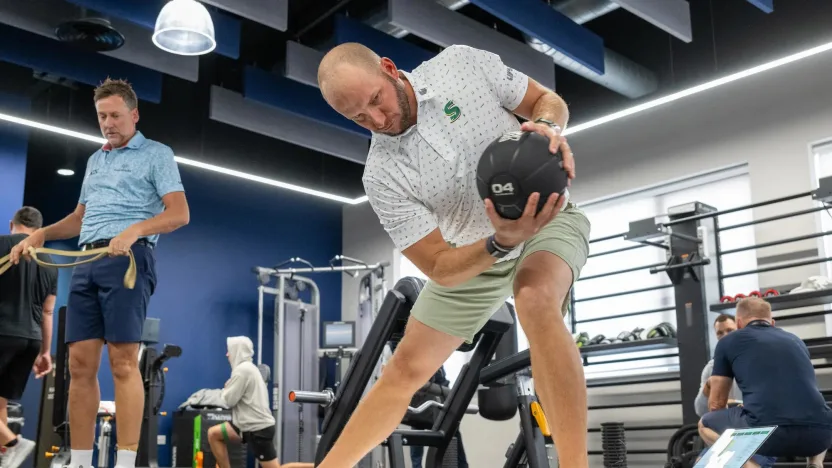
(296, 341)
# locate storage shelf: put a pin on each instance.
(628, 347)
(787, 301)
(522, 360)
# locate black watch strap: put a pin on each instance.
(548, 122)
(494, 249)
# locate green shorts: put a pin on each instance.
(462, 310)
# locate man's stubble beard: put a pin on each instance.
(404, 106)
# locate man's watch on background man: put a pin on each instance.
(495, 249)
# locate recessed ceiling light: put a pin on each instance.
(66, 172)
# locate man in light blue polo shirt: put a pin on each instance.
(131, 193)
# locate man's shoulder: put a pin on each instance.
(455, 56)
(156, 148)
(452, 53)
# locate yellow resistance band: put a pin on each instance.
(95, 254)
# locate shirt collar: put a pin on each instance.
(424, 93)
(136, 142)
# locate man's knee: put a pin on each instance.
(123, 369)
(215, 434)
(541, 286)
(124, 361)
(84, 360)
(407, 372)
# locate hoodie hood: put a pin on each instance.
(240, 350)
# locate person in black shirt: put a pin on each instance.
(779, 388)
(27, 299)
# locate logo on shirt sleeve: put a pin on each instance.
(453, 111)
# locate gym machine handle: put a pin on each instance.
(324, 398)
(471, 409)
(685, 264)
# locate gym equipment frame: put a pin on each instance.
(297, 335)
(389, 326)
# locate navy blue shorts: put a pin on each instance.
(99, 305)
(785, 441)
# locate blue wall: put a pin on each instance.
(13, 147)
(206, 289)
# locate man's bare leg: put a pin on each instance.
(218, 445)
(540, 287)
(6, 434)
(129, 389)
(84, 398)
(817, 460)
(708, 435)
(421, 352)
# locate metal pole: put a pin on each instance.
(734, 210)
(292, 271)
(772, 218)
(280, 319)
(259, 325)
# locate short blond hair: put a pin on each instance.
(753, 307)
(121, 88)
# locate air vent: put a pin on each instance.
(91, 33)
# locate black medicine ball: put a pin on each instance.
(516, 165)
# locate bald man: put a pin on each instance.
(779, 388)
(429, 128)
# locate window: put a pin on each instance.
(723, 189)
(822, 155)
(823, 168)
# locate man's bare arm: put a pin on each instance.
(720, 388)
(450, 266)
(446, 265)
(176, 215)
(540, 102)
(46, 324)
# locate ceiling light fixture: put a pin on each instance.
(569, 131)
(184, 27)
(66, 172)
(698, 89)
(192, 162)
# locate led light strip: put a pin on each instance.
(699, 88)
(569, 131)
(191, 162)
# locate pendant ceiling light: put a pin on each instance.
(184, 27)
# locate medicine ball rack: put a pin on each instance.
(690, 235)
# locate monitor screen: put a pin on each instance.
(339, 334)
(734, 447)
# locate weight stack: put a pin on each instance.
(614, 445)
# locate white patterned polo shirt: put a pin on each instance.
(425, 178)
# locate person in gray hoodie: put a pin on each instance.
(251, 418)
(723, 325)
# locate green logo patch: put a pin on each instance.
(453, 111)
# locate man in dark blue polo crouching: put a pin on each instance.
(773, 370)
(131, 193)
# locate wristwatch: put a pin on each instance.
(548, 122)
(494, 249)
